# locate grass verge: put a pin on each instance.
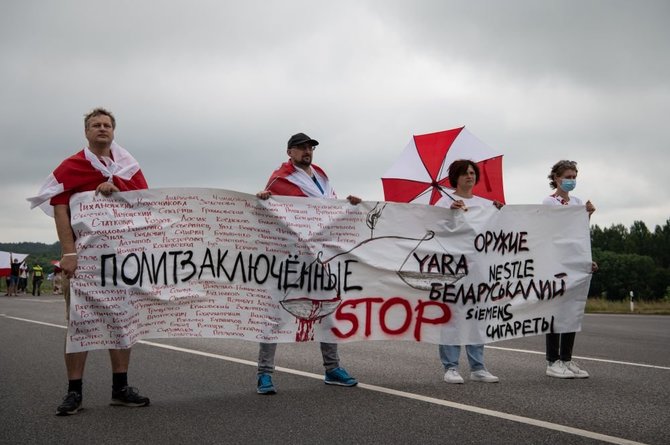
(602, 306)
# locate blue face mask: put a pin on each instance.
(568, 185)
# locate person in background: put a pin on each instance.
(299, 177)
(563, 180)
(38, 277)
(463, 176)
(15, 271)
(106, 168)
(23, 279)
(57, 277)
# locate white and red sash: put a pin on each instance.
(83, 171)
(288, 180)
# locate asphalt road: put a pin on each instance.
(203, 391)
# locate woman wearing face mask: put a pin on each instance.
(563, 179)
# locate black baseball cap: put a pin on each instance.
(301, 138)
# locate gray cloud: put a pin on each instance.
(606, 43)
(207, 93)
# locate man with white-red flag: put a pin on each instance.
(299, 177)
(105, 167)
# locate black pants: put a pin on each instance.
(559, 346)
(37, 285)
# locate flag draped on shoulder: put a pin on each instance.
(83, 171)
(288, 180)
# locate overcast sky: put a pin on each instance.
(206, 93)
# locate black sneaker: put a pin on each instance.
(71, 404)
(128, 396)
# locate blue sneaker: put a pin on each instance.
(339, 376)
(265, 385)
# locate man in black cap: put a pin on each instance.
(299, 177)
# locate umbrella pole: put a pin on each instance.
(442, 190)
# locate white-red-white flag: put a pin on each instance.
(80, 171)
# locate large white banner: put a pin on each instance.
(216, 263)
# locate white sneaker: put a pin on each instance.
(576, 370)
(483, 376)
(559, 370)
(452, 376)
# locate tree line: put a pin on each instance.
(40, 253)
(634, 259)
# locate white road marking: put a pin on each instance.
(403, 394)
(591, 359)
(34, 321)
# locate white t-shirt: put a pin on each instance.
(559, 201)
(475, 201)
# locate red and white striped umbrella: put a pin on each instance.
(420, 174)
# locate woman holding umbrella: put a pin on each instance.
(563, 179)
(463, 176)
